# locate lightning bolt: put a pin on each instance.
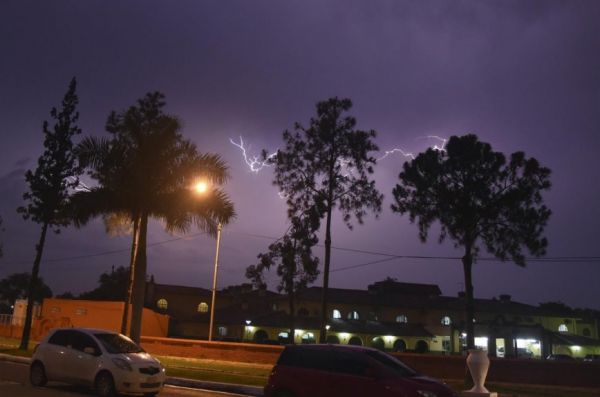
(402, 152)
(254, 162)
(81, 187)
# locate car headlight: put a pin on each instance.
(426, 393)
(122, 364)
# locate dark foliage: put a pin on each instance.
(479, 198)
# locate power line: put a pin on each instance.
(103, 253)
(390, 256)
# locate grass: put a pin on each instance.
(217, 371)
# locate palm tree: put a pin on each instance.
(146, 170)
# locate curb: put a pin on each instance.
(15, 359)
(253, 391)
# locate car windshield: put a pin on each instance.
(116, 343)
(392, 363)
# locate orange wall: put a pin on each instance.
(96, 314)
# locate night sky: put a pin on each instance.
(522, 75)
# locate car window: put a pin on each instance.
(349, 363)
(59, 338)
(79, 341)
(391, 363)
(318, 359)
(117, 343)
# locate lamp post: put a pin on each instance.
(214, 287)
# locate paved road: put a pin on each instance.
(13, 383)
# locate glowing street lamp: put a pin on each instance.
(201, 187)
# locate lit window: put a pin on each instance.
(563, 328)
(80, 311)
(337, 313)
(353, 315)
(203, 307)
(446, 320)
(401, 318)
(222, 331)
(162, 304)
(275, 307)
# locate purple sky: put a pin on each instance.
(523, 75)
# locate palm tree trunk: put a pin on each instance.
(33, 281)
(127, 302)
(139, 285)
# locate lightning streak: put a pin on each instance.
(254, 162)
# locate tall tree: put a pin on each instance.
(294, 261)
(147, 169)
(480, 199)
(325, 166)
(112, 286)
(16, 286)
(50, 184)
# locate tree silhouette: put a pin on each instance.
(147, 169)
(296, 265)
(326, 166)
(479, 198)
(112, 286)
(50, 185)
(16, 286)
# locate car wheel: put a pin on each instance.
(37, 374)
(105, 385)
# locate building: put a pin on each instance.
(388, 315)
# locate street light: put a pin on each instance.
(201, 187)
(214, 287)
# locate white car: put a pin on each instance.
(109, 362)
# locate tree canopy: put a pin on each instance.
(295, 263)
(51, 183)
(481, 199)
(146, 169)
(16, 286)
(326, 166)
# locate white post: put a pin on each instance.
(214, 287)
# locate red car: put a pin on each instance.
(341, 370)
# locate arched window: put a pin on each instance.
(353, 315)
(586, 332)
(378, 343)
(162, 304)
(401, 318)
(203, 307)
(421, 347)
(283, 337)
(356, 341)
(332, 339)
(260, 336)
(563, 328)
(336, 313)
(399, 346)
(446, 320)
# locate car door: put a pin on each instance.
(54, 357)
(304, 371)
(353, 375)
(82, 364)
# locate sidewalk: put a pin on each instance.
(253, 391)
